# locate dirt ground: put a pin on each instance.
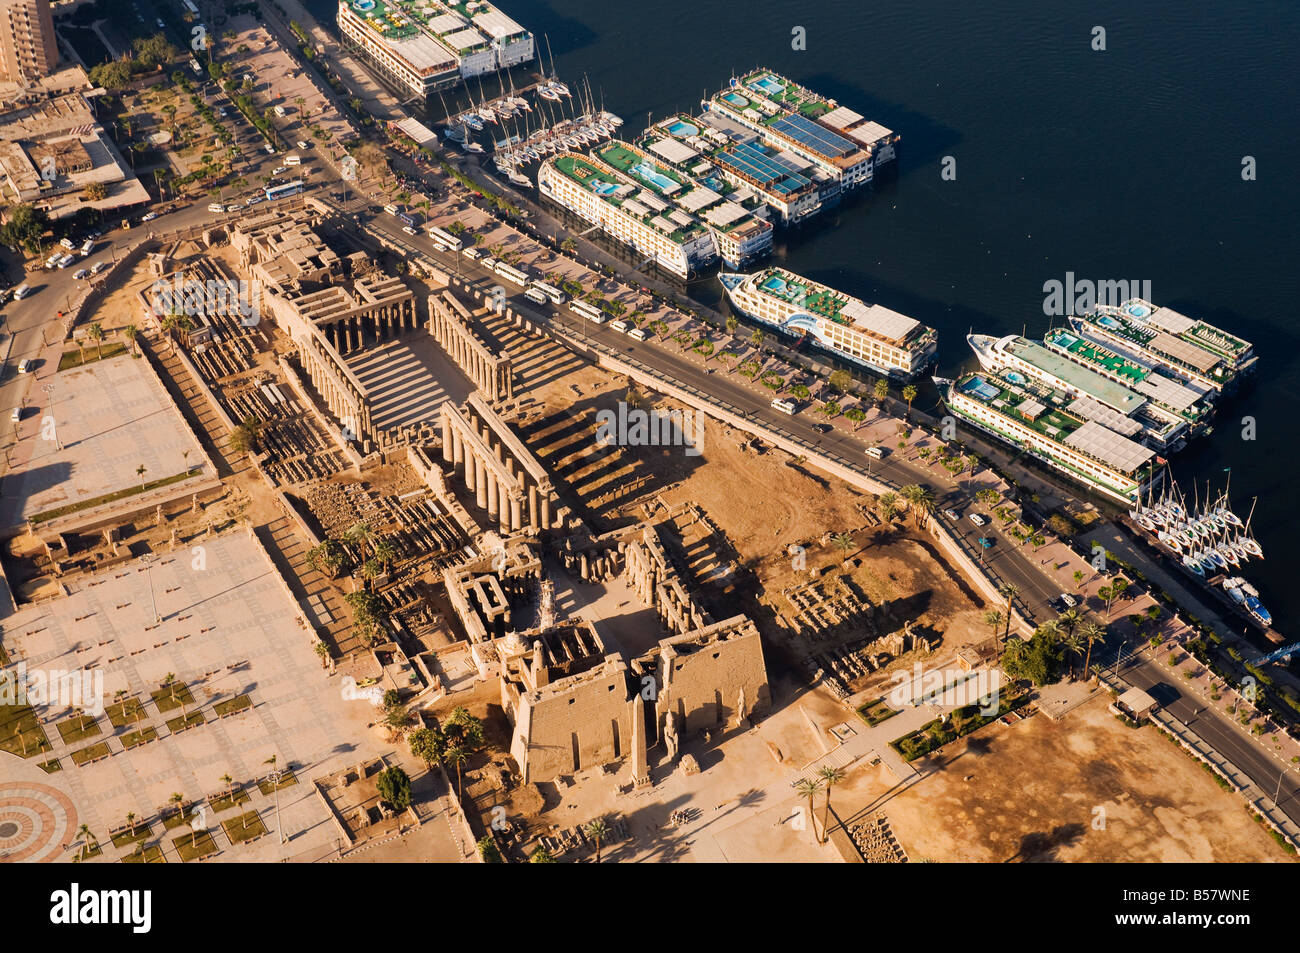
(1041, 791)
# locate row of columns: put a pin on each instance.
(491, 373)
(499, 485)
(344, 401)
(351, 332)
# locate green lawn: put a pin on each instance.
(76, 728)
(125, 713)
(90, 355)
(183, 722)
(133, 739)
(110, 497)
(233, 706)
(192, 847)
(140, 832)
(152, 855)
(226, 801)
(876, 712)
(172, 697)
(177, 818)
(93, 753)
(245, 827)
(20, 731)
(266, 787)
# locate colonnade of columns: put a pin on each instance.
(347, 402)
(657, 585)
(505, 490)
(449, 324)
(376, 323)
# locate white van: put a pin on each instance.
(785, 406)
(473, 254)
(216, 207)
(620, 326)
(637, 334)
(293, 160)
(876, 453)
(279, 111)
(87, 247)
(22, 291)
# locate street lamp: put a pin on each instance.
(49, 391)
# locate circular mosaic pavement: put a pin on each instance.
(37, 822)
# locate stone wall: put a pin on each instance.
(702, 673)
(587, 713)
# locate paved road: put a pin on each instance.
(1229, 738)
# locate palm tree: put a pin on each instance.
(843, 542)
(1073, 644)
(229, 782)
(881, 390)
(830, 777)
(887, 507)
(87, 839)
(362, 535)
(170, 682)
(541, 856)
(1091, 632)
(757, 337)
(1069, 620)
(384, 551)
(732, 324)
(808, 787)
(909, 395)
(596, 830)
(457, 755)
(1078, 579)
(1009, 590)
(131, 332)
(993, 619)
(96, 333)
(140, 471)
(920, 500)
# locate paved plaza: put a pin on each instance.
(91, 434)
(228, 629)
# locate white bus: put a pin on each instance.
(555, 295)
(510, 273)
(392, 209)
(532, 294)
(588, 311)
(783, 405)
(446, 237)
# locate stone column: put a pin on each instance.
(480, 484)
(516, 522)
(493, 495)
(446, 439)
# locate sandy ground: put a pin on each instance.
(1086, 788)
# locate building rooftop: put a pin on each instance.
(816, 298)
(1076, 376)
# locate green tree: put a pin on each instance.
(541, 856)
(881, 390)
(993, 619)
(909, 395)
(488, 850)
(732, 324)
(1037, 660)
(597, 830)
(920, 501)
(1091, 633)
(757, 337)
(140, 471)
(96, 333)
(395, 787)
(808, 787)
(829, 777)
(840, 380)
(427, 745)
(843, 542)
(24, 225)
(457, 755)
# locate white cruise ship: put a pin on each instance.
(871, 335)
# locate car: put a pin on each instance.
(1067, 600)
(17, 414)
(66, 260)
(24, 366)
(979, 519)
(270, 149)
(952, 514)
(303, 144)
(409, 230)
(94, 236)
(149, 217)
(159, 21)
(823, 428)
(255, 199)
(221, 112)
(439, 246)
(280, 170)
(98, 267)
(80, 273)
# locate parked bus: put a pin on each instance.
(555, 295)
(785, 406)
(510, 273)
(280, 191)
(409, 219)
(446, 237)
(535, 296)
(392, 209)
(588, 311)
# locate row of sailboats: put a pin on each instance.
(1208, 538)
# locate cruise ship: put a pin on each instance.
(1166, 423)
(661, 213)
(1039, 421)
(1192, 351)
(677, 242)
(420, 46)
(871, 335)
(792, 119)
